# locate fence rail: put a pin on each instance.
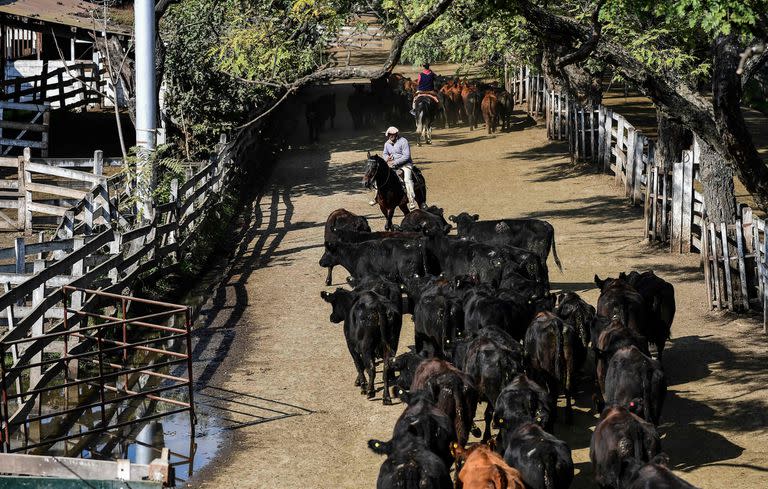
(39, 116)
(72, 86)
(735, 255)
(95, 247)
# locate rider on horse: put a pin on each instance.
(426, 86)
(397, 154)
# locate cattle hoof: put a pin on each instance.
(476, 431)
(387, 401)
(327, 282)
(371, 394)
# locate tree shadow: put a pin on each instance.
(598, 209)
(558, 172)
(552, 149)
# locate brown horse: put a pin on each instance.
(390, 194)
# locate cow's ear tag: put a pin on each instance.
(377, 444)
(501, 420)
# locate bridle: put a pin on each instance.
(376, 171)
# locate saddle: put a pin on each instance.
(430, 94)
(418, 179)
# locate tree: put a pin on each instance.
(669, 49)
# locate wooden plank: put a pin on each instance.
(655, 204)
(64, 173)
(28, 126)
(637, 179)
(677, 208)
(51, 210)
(68, 468)
(24, 106)
(607, 142)
(582, 134)
(9, 184)
(687, 202)
(726, 265)
(716, 265)
(620, 151)
(22, 143)
(742, 265)
(647, 204)
(56, 190)
(665, 183)
(707, 265)
(10, 204)
(60, 267)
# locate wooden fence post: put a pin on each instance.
(76, 303)
(606, 140)
(173, 237)
(26, 178)
(88, 214)
(114, 249)
(38, 295)
(687, 202)
(637, 194)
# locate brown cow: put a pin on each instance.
(490, 109)
(471, 99)
(452, 391)
(342, 219)
(484, 469)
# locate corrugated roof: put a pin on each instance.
(67, 12)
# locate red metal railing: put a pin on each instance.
(105, 354)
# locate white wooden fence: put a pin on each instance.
(735, 256)
(37, 120)
(97, 248)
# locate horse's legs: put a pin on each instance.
(390, 214)
(385, 212)
(404, 209)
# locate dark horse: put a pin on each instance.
(426, 113)
(390, 193)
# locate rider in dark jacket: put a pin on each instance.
(426, 85)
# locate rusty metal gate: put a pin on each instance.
(116, 354)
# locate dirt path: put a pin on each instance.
(288, 375)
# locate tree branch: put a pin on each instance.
(752, 59)
(588, 46)
(327, 73)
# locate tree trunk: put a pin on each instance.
(717, 179)
(672, 139)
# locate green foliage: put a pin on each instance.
(202, 100)
(163, 166)
(470, 33)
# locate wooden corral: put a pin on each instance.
(735, 256)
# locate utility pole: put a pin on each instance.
(146, 103)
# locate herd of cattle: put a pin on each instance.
(487, 329)
(387, 101)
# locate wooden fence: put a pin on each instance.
(40, 191)
(526, 88)
(68, 87)
(735, 256)
(39, 117)
(92, 249)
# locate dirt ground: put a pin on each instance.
(296, 419)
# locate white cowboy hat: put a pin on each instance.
(391, 130)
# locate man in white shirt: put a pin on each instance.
(397, 154)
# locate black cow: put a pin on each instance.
(492, 365)
(382, 285)
(636, 382)
(405, 366)
(317, 112)
(452, 391)
(550, 352)
(544, 461)
(394, 258)
(574, 310)
(522, 401)
(620, 435)
(423, 419)
(659, 296)
(429, 222)
(620, 300)
(372, 330)
(655, 474)
(612, 338)
(531, 234)
(411, 465)
(505, 310)
(438, 320)
(342, 219)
